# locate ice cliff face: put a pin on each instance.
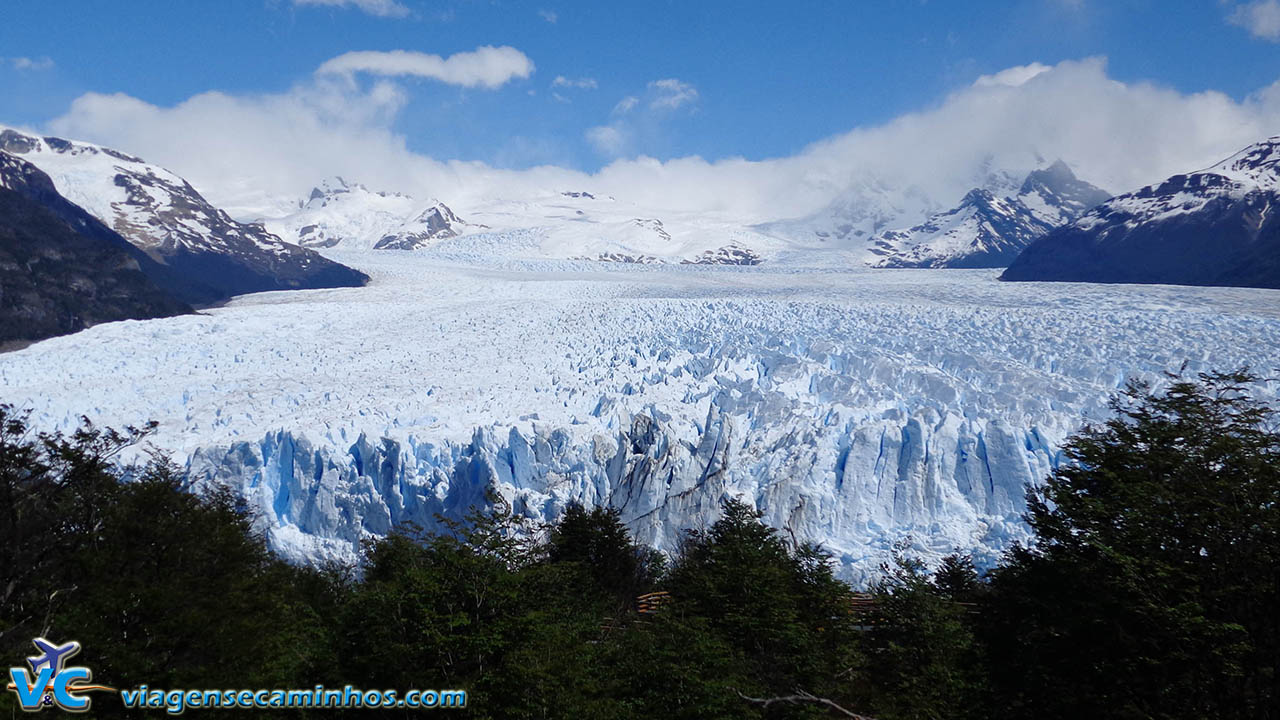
(852, 481)
(853, 407)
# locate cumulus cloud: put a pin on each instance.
(549, 15)
(1117, 135)
(486, 66)
(671, 93)
(1261, 19)
(626, 105)
(33, 64)
(378, 8)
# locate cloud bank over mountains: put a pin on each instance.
(242, 150)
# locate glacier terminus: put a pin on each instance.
(855, 407)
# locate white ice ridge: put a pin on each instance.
(853, 407)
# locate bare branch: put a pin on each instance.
(801, 697)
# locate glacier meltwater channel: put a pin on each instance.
(853, 407)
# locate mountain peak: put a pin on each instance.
(1257, 164)
(978, 196)
(1058, 175)
(1217, 226)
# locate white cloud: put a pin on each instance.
(549, 15)
(1261, 18)
(240, 149)
(1013, 77)
(607, 140)
(33, 64)
(486, 66)
(671, 93)
(579, 83)
(378, 8)
(636, 123)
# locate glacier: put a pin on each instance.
(853, 407)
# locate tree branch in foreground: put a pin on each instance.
(802, 697)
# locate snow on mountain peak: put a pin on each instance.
(986, 230)
(162, 214)
(1255, 169)
(1256, 165)
(340, 212)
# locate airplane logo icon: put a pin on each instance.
(54, 657)
(51, 682)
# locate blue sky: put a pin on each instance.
(768, 78)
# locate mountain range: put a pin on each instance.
(62, 270)
(988, 228)
(163, 215)
(1217, 226)
(350, 216)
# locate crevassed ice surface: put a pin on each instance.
(853, 407)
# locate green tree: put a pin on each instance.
(922, 658)
(597, 541)
(781, 611)
(159, 585)
(1152, 587)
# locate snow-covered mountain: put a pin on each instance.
(163, 215)
(1218, 226)
(983, 231)
(1056, 196)
(853, 218)
(341, 213)
(987, 231)
(348, 215)
(879, 224)
(433, 224)
(565, 224)
(61, 269)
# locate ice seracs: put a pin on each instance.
(854, 407)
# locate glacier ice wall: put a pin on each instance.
(767, 426)
(853, 408)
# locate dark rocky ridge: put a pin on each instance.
(166, 217)
(1219, 226)
(62, 270)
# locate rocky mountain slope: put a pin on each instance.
(61, 270)
(1218, 226)
(163, 215)
(347, 215)
(986, 231)
(435, 223)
